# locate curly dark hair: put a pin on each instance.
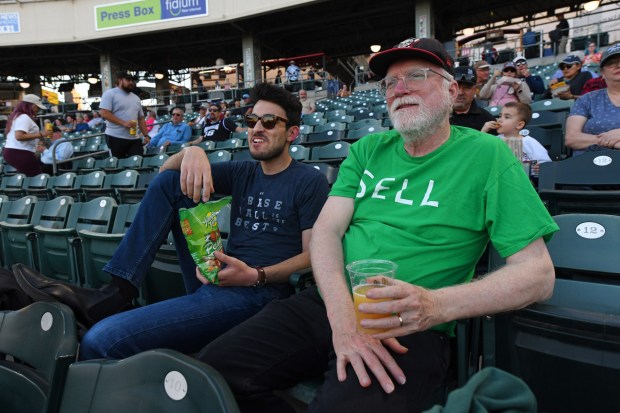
(280, 97)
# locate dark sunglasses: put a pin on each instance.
(520, 64)
(566, 66)
(467, 77)
(510, 69)
(268, 121)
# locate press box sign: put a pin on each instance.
(113, 16)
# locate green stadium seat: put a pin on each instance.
(93, 180)
(333, 152)
(219, 156)
(299, 152)
(330, 126)
(42, 342)
(126, 179)
(59, 250)
(15, 231)
(324, 137)
(151, 381)
(12, 186)
(363, 123)
(355, 134)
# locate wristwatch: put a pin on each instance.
(262, 277)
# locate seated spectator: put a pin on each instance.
(344, 91)
(80, 124)
(592, 55)
(275, 203)
(504, 87)
(594, 84)
(174, 132)
(534, 82)
(151, 118)
(96, 120)
(465, 110)
(512, 119)
(307, 104)
(434, 225)
(202, 117)
(595, 116)
(63, 150)
(68, 125)
(572, 75)
(216, 128)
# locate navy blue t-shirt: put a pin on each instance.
(269, 212)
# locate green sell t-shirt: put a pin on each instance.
(434, 215)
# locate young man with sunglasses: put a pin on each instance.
(275, 203)
(572, 75)
(428, 196)
(217, 128)
(465, 110)
(175, 132)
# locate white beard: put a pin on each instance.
(417, 127)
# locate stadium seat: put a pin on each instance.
(230, 144)
(58, 252)
(551, 139)
(588, 183)
(330, 171)
(125, 179)
(568, 345)
(65, 181)
(135, 195)
(554, 105)
(152, 163)
(355, 134)
(366, 114)
(219, 156)
(98, 247)
(330, 126)
(207, 146)
(493, 110)
(324, 137)
(343, 117)
(82, 165)
(12, 186)
(133, 162)
(17, 228)
(332, 153)
(299, 152)
(153, 381)
(313, 121)
(306, 129)
(93, 180)
(41, 340)
(364, 123)
(549, 119)
(239, 135)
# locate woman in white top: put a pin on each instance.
(22, 134)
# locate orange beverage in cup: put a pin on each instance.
(359, 297)
(132, 129)
(49, 127)
(365, 275)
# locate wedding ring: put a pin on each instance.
(400, 319)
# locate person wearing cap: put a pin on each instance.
(123, 113)
(427, 196)
(534, 82)
(483, 72)
(58, 150)
(504, 87)
(572, 75)
(22, 135)
(595, 117)
(465, 111)
(202, 117)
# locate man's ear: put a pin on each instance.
(292, 133)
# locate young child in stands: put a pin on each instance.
(509, 125)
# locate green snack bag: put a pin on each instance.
(202, 233)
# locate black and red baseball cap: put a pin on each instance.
(427, 49)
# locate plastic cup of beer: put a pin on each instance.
(132, 129)
(366, 275)
(49, 127)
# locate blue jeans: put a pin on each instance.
(186, 323)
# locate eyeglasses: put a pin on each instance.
(177, 114)
(510, 69)
(564, 66)
(412, 79)
(520, 64)
(467, 77)
(269, 121)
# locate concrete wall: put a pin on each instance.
(45, 22)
